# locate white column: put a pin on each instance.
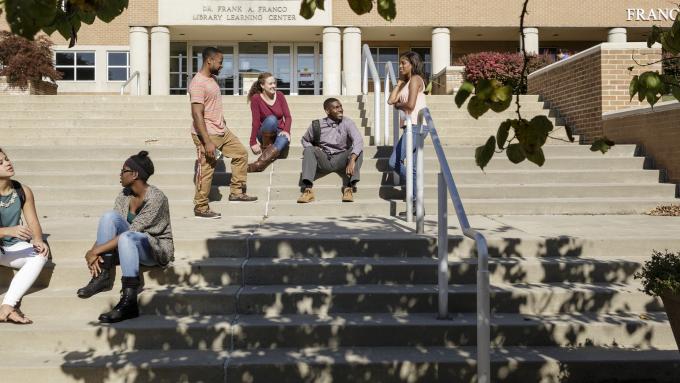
(531, 37)
(331, 61)
(617, 35)
(160, 61)
(351, 59)
(139, 58)
(441, 49)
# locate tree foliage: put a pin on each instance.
(26, 60)
(387, 9)
(28, 17)
(661, 275)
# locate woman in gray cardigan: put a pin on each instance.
(138, 231)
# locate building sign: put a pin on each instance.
(653, 14)
(239, 12)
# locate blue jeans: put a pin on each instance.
(271, 125)
(397, 159)
(133, 247)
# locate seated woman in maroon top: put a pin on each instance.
(271, 122)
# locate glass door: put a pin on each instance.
(306, 74)
(282, 64)
(228, 77)
(253, 59)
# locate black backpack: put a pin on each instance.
(316, 132)
(20, 191)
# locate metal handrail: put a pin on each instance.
(369, 65)
(446, 182)
(390, 81)
(134, 74)
(343, 84)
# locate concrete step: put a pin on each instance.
(57, 125)
(37, 152)
(278, 193)
(273, 300)
(71, 273)
(439, 365)
(640, 331)
(369, 164)
(343, 365)
(291, 178)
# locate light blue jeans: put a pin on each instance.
(133, 247)
(271, 125)
(397, 159)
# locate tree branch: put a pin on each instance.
(523, 78)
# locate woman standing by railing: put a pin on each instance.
(408, 96)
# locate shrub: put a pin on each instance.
(23, 60)
(504, 67)
(661, 275)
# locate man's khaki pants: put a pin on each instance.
(231, 147)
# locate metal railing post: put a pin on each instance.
(420, 191)
(483, 312)
(442, 247)
(370, 67)
(409, 169)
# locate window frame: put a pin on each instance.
(380, 65)
(109, 66)
(75, 65)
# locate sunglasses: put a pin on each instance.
(123, 171)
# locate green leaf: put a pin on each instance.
(502, 94)
(110, 9)
(484, 153)
(501, 105)
(463, 93)
(477, 107)
(502, 134)
(537, 157)
(633, 87)
(87, 17)
(602, 144)
(484, 89)
(307, 9)
(542, 124)
(27, 17)
(320, 4)
(652, 98)
(387, 9)
(361, 7)
(675, 90)
(515, 153)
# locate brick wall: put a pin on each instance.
(448, 80)
(34, 87)
(592, 82)
(658, 131)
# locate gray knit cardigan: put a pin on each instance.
(153, 220)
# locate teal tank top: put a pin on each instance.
(10, 216)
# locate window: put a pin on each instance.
(75, 66)
(178, 68)
(383, 55)
(118, 66)
(427, 60)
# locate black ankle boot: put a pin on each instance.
(127, 306)
(102, 282)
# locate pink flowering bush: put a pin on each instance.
(504, 67)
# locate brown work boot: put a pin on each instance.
(243, 197)
(267, 140)
(268, 156)
(307, 196)
(347, 195)
(206, 213)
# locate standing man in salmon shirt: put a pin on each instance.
(210, 135)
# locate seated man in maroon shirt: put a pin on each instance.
(336, 146)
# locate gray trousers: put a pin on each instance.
(316, 161)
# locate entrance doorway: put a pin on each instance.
(297, 66)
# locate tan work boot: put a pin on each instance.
(307, 196)
(347, 195)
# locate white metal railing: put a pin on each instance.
(343, 84)
(390, 81)
(445, 182)
(369, 66)
(134, 75)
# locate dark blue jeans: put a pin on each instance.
(397, 161)
(271, 125)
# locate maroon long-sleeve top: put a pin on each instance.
(261, 110)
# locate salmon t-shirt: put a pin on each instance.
(205, 90)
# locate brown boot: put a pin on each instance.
(347, 195)
(267, 140)
(267, 157)
(307, 196)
